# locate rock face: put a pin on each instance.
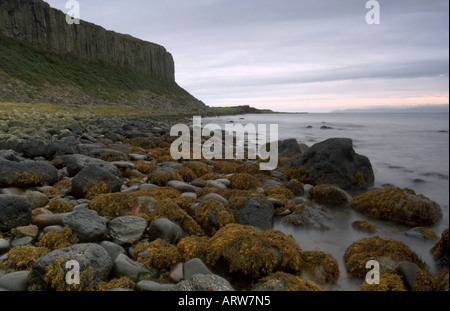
(335, 162)
(36, 22)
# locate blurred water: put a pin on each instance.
(406, 150)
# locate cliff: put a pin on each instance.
(36, 22)
(44, 59)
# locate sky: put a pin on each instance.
(293, 55)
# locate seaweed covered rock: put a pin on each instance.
(121, 204)
(281, 281)
(27, 173)
(159, 254)
(50, 270)
(440, 250)
(364, 225)
(329, 194)
(15, 211)
(245, 250)
(304, 213)
(388, 252)
(162, 175)
(280, 193)
(335, 162)
(93, 180)
(200, 169)
(320, 267)
(56, 239)
(23, 256)
(252, 211)
(244, 181)
(296, 187)
(389, 282)
(400, 205)
(213, 215)
(193, 246)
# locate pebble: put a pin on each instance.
(216, 197)
(189, 195)
(22, 241)
(151, 286)
(4, 246)
(15, 281)
(176, 273)
(45, 220)
(31, 231)
(125, 266)
(224, 181)
(198, 183)
(51, 228)
(181, 186)
(215, 184)
(147, 187)
(193, 267)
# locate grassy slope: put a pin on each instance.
(38, 67)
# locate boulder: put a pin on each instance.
(335, 162)
(27, 173)
(253, 211)
(15, 281)
(329, 194)
(87, 225)
(76, 162)
(15, 211)
(165, 229)
(94, 262)
(125, 266)
(94, 180)
(127, 228)
(288, 148)
(400, 205)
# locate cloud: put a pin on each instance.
(230, 51)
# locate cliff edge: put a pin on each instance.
(44, 59)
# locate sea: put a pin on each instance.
(406, 150)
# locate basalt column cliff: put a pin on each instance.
(118, 67)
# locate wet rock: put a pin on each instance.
(216, 197)
(335, 162)
(202, 282)
(181, 186)
(280, 281)
(127, 228)
(364, 225)
(45, 220)
(165, 229)
(308, 215)
(296, 187)
(22, 241)
(288, 148)
(51, 228)
(125, 266)
(408, 272)
(441, 249)
(4, 246)
(193, 267)
(27, 173)
(76, 162)
(148, 187)
(15, 211)
(20, 232)
(253, 211)
(215, 184)
(113, 249)
(37, 199)
(422, 233)
(87, 225)
(15, 281)
(400, 205)
(329, 194)
(176, 273)
(151, 286)
(93, 180)
(94, 262)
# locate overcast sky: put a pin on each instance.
(293, 55)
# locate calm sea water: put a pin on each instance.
(407, 150)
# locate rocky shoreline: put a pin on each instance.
(104, 191)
